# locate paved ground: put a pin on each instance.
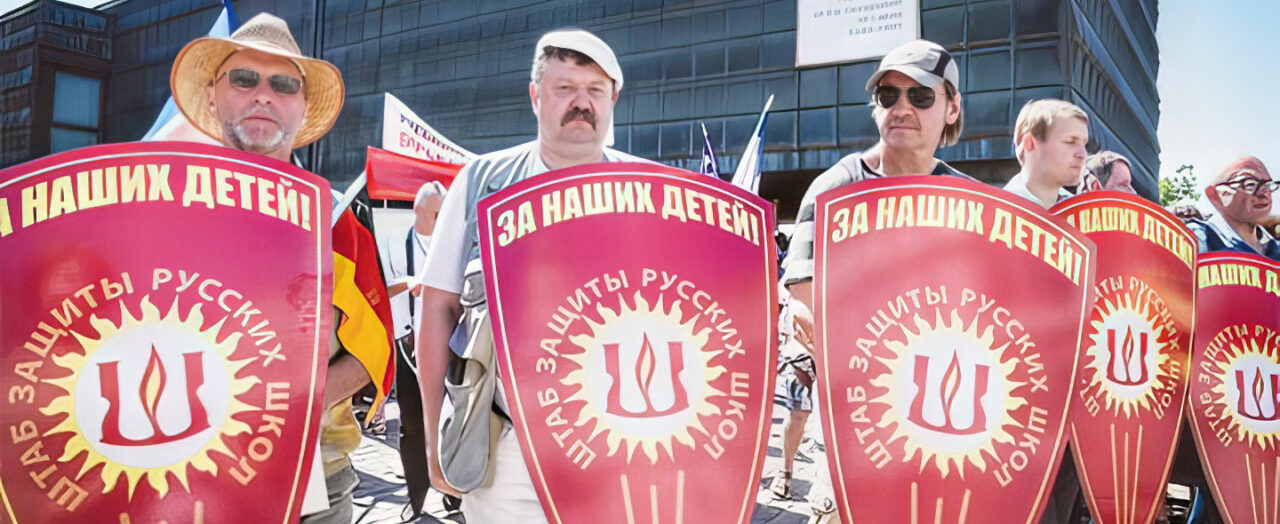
(381, 496)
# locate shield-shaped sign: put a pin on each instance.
(634, 311)
(1132, 382)
(163, 317)
(1235, 383)
(947, 319)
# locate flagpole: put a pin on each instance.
(349, 196)
(763, 113)
(747, 174)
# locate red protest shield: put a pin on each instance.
(634, 312)
(1127, 409)
(1235, 383)
(947, 321)
(164, 321)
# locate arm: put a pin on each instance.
(345, 377)
(802, 313)
(440, 313)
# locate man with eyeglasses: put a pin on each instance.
(1241, 193)
(1049, 140)
(256, 92)
(916, 107)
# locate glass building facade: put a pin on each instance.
(54, 59)
(464, 67)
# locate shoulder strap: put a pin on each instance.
(409, 250)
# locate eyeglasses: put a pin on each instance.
(1252, 185)
(248, 79)
(920, 96)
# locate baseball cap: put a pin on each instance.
(588, 44)
(922, 60)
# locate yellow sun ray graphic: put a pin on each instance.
(657, 384)
(82, 404)
(1124, 353)
(960, 351)
(1245, 385)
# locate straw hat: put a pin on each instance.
(198, 62)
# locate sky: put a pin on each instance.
(1219, 82)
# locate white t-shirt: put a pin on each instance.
(398, 267)
(1018, 186)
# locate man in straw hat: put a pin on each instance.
(575, 81)
(256, 92)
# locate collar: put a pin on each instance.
(1225, 230)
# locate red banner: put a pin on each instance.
(1235, 383)
(1127, 410)
(163, 334)
(394, 176)
(634, 311)
(947, 320)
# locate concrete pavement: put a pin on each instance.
(382, 497)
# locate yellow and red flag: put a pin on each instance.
(360, 293)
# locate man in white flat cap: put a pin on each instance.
(573, 87)
(256, 92)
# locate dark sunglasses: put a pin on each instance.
(1252, 185)
(920, 96)
(248, 79)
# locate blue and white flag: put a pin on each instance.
(710, 166)
(747, 176)
(170, 124)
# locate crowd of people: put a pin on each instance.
(256, 92)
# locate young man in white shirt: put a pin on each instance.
(1049, 140)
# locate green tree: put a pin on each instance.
(1180, 188)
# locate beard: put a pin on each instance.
(238, 138)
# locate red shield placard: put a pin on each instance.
(1132, 382)
(1235, 383)
(634, 311)
(948, 319)
(163, 331)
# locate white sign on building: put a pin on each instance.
(834, 31)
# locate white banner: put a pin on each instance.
(403, 132)
(833, 31)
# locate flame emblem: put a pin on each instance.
(948, 389)
(94, 428)
(928, 414)
(636, 395)
(1264, 407)
(643, 387)
(1121, 370)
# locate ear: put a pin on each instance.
(953, 109)
(1212, 194)
(533, 97)
(211, 97)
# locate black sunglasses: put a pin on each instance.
(249, 79)
(920, 96)
(1252, 185)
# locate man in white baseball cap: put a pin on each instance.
(574, 84)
